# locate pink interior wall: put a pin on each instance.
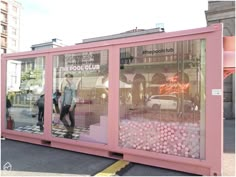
(214, 108)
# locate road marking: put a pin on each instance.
(113, 169)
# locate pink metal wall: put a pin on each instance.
(212, 165)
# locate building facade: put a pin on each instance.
(224, 12)
(10, 26)
(54, 43)
(130, 33)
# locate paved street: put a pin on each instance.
(229, 148)
(30, 159)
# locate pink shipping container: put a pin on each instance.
(154, 99)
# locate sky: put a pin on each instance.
(75, 20)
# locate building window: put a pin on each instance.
(3, 51)
(85, 76)
(13, 76)
(3, 41)
(13, 41)
(24, 87)
(162, 86)
(14, 8)
(4, 17)
(4, 6)
(4, 29)
(14, 31)
(14, 20)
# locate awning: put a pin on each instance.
(229, 55)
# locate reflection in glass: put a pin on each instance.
(25, 85)
(80, 87)
(162, 98)
(68, 104)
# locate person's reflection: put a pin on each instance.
(10, 121)
(8, 105)
(68, 105)
(40, 104)
(56, 96)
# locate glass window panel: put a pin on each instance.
(80, 96)
(162, 98)
(25, 85)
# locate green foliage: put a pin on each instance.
(32, 77)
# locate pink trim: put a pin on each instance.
(214, 80)
(3, 91)
(130, 40)
(48, 94)
(113, 114)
